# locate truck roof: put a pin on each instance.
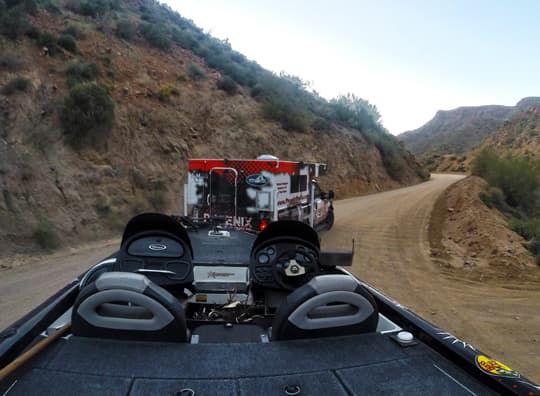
(251, 165)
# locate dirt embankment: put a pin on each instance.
(468, 236)
(493, 304)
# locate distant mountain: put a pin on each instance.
(453, 133)
(518, 136)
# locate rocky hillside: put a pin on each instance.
(519, 136)
(452, 134)
(102, 102)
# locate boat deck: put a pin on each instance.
(368, 364)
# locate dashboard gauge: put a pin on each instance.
(263, 258)
(271, 251)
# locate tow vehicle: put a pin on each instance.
(248, 194)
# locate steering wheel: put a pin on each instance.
(285, 262)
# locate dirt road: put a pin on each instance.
(31, 281)
(392, 254)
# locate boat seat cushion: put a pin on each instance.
(328, 305)
(128, 306)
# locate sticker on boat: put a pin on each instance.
(494, 367)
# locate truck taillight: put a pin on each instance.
(263, 225)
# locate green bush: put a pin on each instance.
(48, 40)
(517, 177)
(183, 39)
(527, 228)
(94, 8)
(166, 91)
(17, 84)
(74, 31)
(125, 30)
(494, 197)
(12, 23)
(68, 43)
(228, 85)
(156, 35)
(10, 61)
(321, 124)
(78, 71)
(194, 72)
(87, 114)
(157, 196)
(45, 235)
(280, 109)
(32, 32)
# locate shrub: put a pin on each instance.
(157, 196)
(194, 72)
(94, 8)
(9, 61)
(125, 30)
(156, 35)
(517, 177)
(79, 71)
(30, 6)
(183, 39)
(87, 114)
(16, 84)
(12, 23)
(534, 246)
(45, 235)
(67, 42)
(228, 85)
(48, 40)
(321, 124)
(51, 7)
(527, 228)
(32, 32)
(166, 90)
(494, 197)
(281, 110)
(74, 31)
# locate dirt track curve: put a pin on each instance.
(390, 230)
(391, 253)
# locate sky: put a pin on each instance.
(409, 58)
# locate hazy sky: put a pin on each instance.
(408, 57)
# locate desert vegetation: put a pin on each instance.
(87, 114)
(515, 190)
(283, 98)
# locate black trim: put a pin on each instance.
(25, 330)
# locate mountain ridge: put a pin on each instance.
(458, 131)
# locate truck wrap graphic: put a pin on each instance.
(247, 194)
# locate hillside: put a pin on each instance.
(466, 234)
(102, 102)
(455, 131)
(443, 142)
(518, 136)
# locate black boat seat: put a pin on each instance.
(125, 305)
(326, 306)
